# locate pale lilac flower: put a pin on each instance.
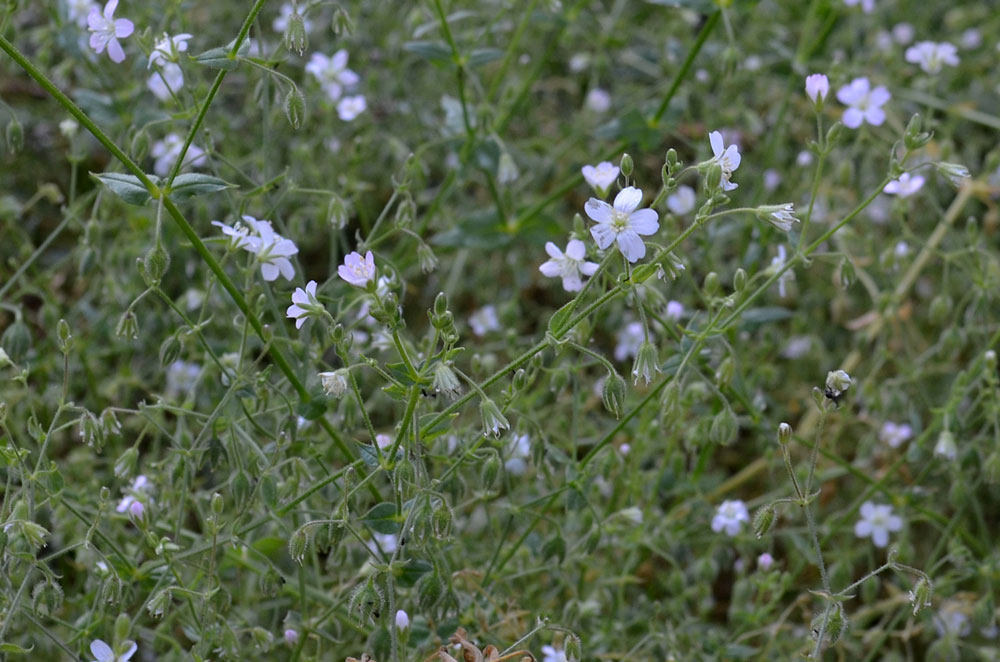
(383, 440)
(625, 449)
(817, 87)
(905, 186)
(168, 49)
(877, 521)
(280, 23)
(136, 510)
(78, 10)
(272, 250)
(103, 653)
(971, 39)
(402, 620)
(349, 108)
(357, 270)
(600, 177)
(901, 249)
(578, 62)
(932, 56)
(291, 637)
(895, 434)
(623, 223)
(598, 100)
(387, 542)
(518, 449)
(106, 30)
(629, 340)
(864, 103)
(332, 73)
(903, 33)
(484, 320)
(568, 265)
(803, 158)
(239, 235)
(728, 159)
(168, 80)
(682, 201)
(765, 561)
(675, 309)
(730, 515)
(181, 378)
(304, 304)
(772, 179)
(550, 654)
(797, 347)
(166, 151)
(139, 488)
(867, 6)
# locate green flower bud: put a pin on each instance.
(156, 263)
(63, 336)
(714, 177)
(739, 280)
(491, 469)
(613, 394)
(627, 165)
(834, 134)
(128, 326)
(295, 106)
(723, 428)
(295, 38)
(671, 159)
(218, 503)
(763, 520)
(15, 136)
(123, 625)
(914, 138)
(712, 284)
(647, 362)
(784, 433)
(921, 595)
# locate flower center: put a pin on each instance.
(619, 221)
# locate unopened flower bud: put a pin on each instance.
(714, 177)
(945, 446)
(671, 159)
(837, 381)
(956, 173)
(295, 107)
(914, 138)
(834, 134)
(739, 280)
(784, 433)
(712, 284)
(291, 637)
(137, 510)
(817, 87)
(218, 503)
(15, 136)
(763, 520)
(921, 595)
(613, 394)
(63, 336)
(627, 165)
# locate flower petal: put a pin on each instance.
(553, 250)
(588, 268)
(550, 268)
(603, 235)
(628, 199)
(863, 528)
(644, 221)
(269, 271)
(576, 249)
(115, 51)
(631, 246)
(599, 211)
(123, 28)
(715, 139)
(853, 118)
(102, 651)
(874, 116)
(880, 537)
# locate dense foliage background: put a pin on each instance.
(147, 357)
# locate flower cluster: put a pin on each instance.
(334, 77)
(272, 250)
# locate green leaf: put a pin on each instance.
(126, 187)
(191, 184)
(439, 428)
(219, 58)
(408, 574)
(481, 56)
(17, 650)
(435, 51)
(560, 319)
(382, 518)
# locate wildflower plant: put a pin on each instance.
(458, 330)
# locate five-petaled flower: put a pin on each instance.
(905, 186)
(600, 177)
(728, 159)
(350, 107)
(304, 304)
(932, 56)
(877, 521)
(623, 223)
(730, 515)
(895, 434)
(103, 653)
(864, 103)
(332, 73)
(106, 30)
(357, 270)
(568, 265)
(168, 49)
(272, 250)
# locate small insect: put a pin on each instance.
(834, 395)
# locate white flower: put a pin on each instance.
(877, 521)
(402, 620)
(905, 186)
(166, 151)
(765, 561)
(598, 100)
(181, 378)
(334, 383)
(568, 265)
(797, 347)
(817, 87)
(622, 223)
(383, 440)
(778, 262)
(803, 158)
(867, 6)
(136, 510)
(239, 234)
(629, 340)
(280, 24)
(168, 49)
(728, 159)
(103, 653)
(291, 637)
(484, 320)
(895, 434)
(600, 177)
(578, 62)
(971, 39)
(357, 270)
(780, 216)
(730, 515)
(332, 73)
(78, 10)
(681, 201)
(945, 446)
(903, 33)
(864, 103)
(932, 56)
(169, 79)
(106, 30)
(519, 449)
(350, 107)
(304, 304)
(675, 309)
(550, 654)
(272, 250)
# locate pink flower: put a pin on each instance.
(357, 270)
(107, 30)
